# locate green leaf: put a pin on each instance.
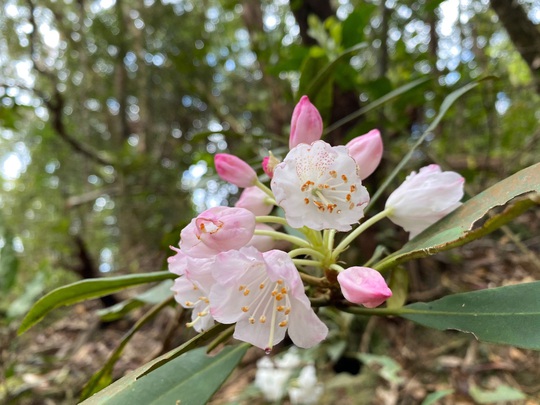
(435, 396)
(474, 219)
(355, 23)
(9, 263)
(190, 379)
(33, 289)
(84, 290)
(153, 295)
(399, 284)
(445, 105)
(377, 103)
(501, 394)
(323, 76)
(104, 377)
(388, 368)
(506, 315)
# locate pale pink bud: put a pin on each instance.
(306, 123)
(424, 198)
(255, 200)
(269, 163)
(262, 243)
(234, 170)
(363, 285)
(367, 151)
(216, 230)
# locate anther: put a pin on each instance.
(245, 309)
(283, 324)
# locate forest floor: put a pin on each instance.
(50, 363)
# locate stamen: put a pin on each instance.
(262, 319)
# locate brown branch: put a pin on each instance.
(56, 110)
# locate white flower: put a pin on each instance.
(318, 186)
(306, 390)
(424, 198)
(271, 380)
(192, 288)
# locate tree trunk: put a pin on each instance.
(524, 34)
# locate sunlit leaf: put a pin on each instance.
(85, 290)
(190, 379)
(500, 394)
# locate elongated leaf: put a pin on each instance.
(319, 81)
(103, 377)
(445, 105)
(190, 379)
(84, 290)
(434, 397)
(508, 315)
(474, 219)
(377, 103)
(154, 295)
(502, 393)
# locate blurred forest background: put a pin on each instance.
(111, 112)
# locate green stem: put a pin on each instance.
(305, 262)
(375, 311)
(264, 188)
(271, 219)
(315, 281)
(283, 236)
(306, 251)
(330, 242)
(355, 233)
(336, 267)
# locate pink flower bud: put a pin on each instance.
(424, 198)
(363, 285)
(367, 151)
(262, 243)
(216, 230)
(254, 200)
(269, 163)
(306, 123)
(234, 170)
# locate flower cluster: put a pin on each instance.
(275, 377)
(229, 269)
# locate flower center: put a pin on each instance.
(207, 225)
(269, 303)
(331, 193)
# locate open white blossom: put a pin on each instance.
(306, 390)
(318, 186)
